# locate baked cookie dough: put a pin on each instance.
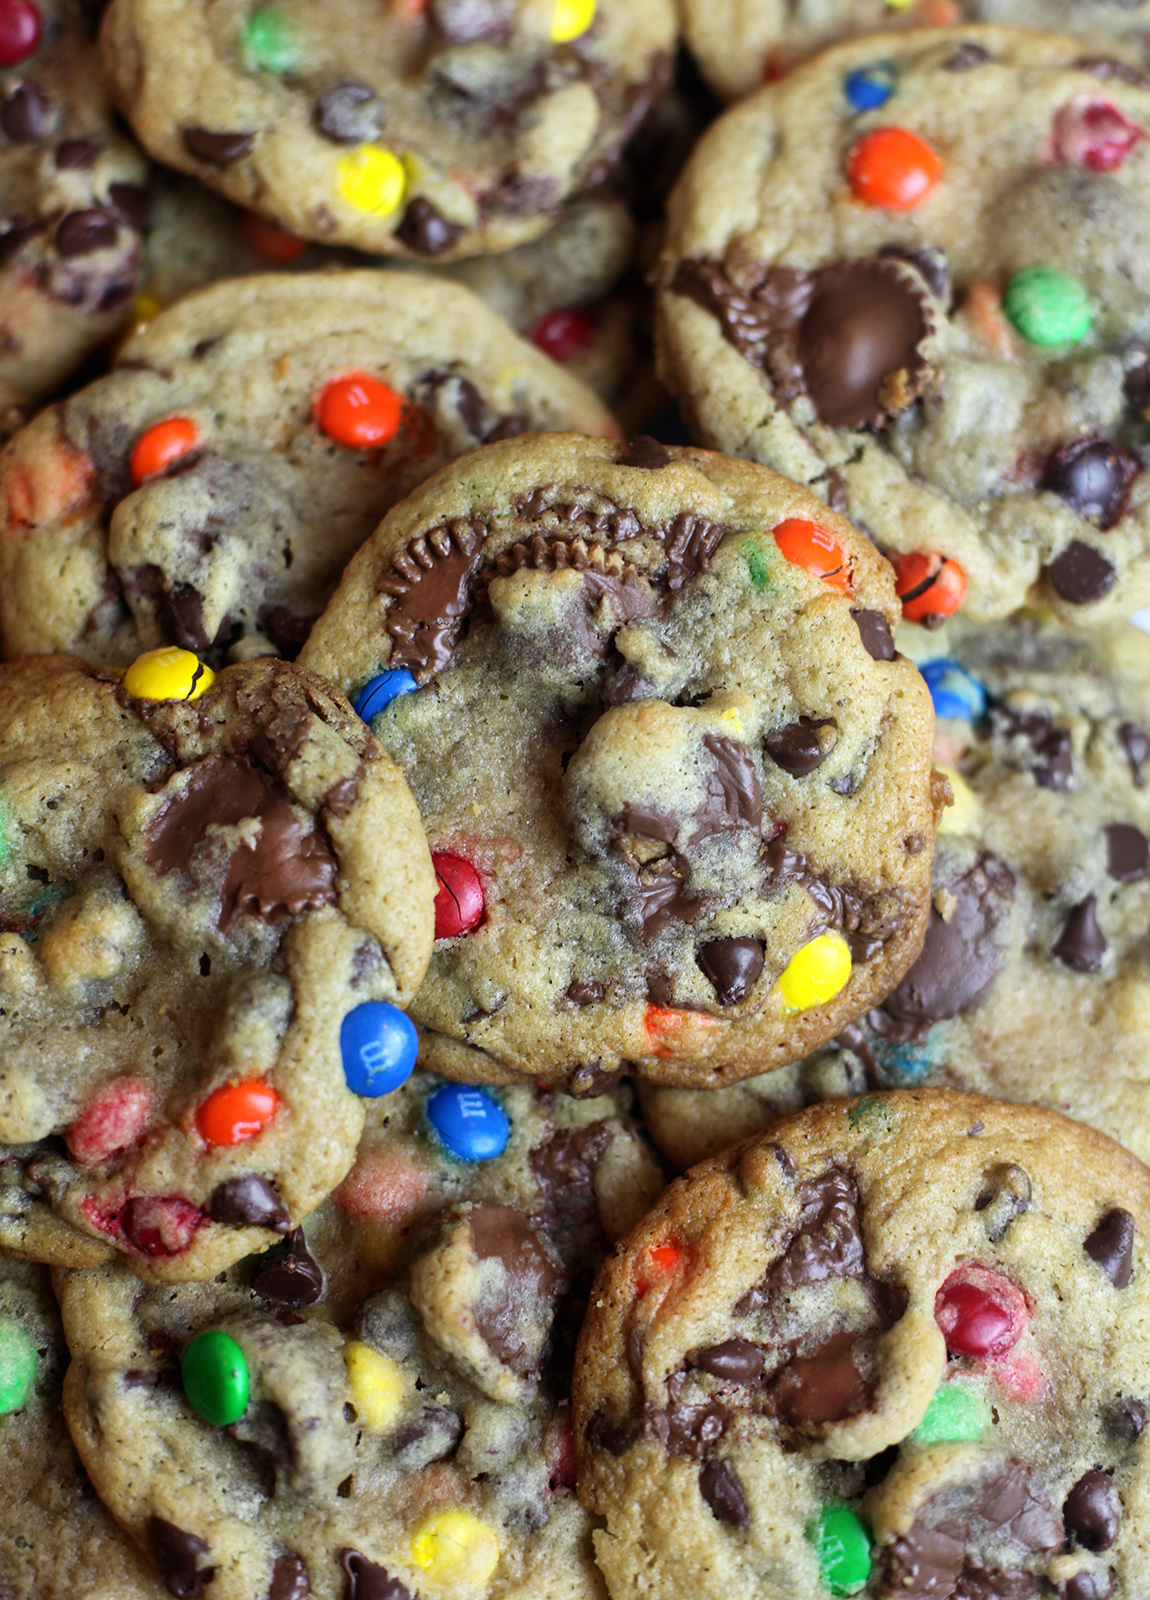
(895, 1347)
(199, 898)
(424, 132)
(930, 305)
(676, 781)
(209, 491)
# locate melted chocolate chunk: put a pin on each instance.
(176, 1552)
(687, 1430)
(613, 1438)
(591, 1078)
(828, 1242)
(129, 202)
(1136, 743)
(968, 56)
(733, 966)
(76, 155)
(430, 584)
(287, 629)
(349, 113)
(1005, 1195)
(1093, 476)
(659, 897)
(1092, 1511)
(585, 992)
(426, 230)
(734, 796)
(249, 1200)
(1104, 67)
(720, 1488)
(643, 451)
(1081, 945)
(81, 233)
(735, 1360)
(565, 1167)
(1013, 1502)
(960, 958)
(1112, 1245)
(217, 149)
(290, 1579)
(858, 344)
(179, 607)
(367, 1580)
(1080, 574)
(796, 747)
(748, 320)
(27, 113)
(1089, 1585)
(502, 1233)
(290, 1277)
(874, 631)
(1127, 852)
(825, 1386)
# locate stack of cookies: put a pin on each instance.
(556, 635)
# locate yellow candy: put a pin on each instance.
(145, 307)
(455, 1547)
(899, 5)
(372, 180)
(377, 1387)
(961, 816)
(168, 674)
(816, 973)
(571, 18)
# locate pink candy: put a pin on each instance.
(981, 1313)
(113, 1120)
(380, 1185)
(1093, 134)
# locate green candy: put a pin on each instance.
(757, 564)
(7, 831)
(17, 1366)
(1047, 306)
(954, 1416)
(842, 1545)
(214, 1373)
(267, 43)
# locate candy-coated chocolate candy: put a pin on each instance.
(929, 584)
(377, 1387)
(907, 1065)
(358, 410)
(1094, 134)
(112, 1120)
(816, 973)
(372, 180)
(842, 1545)
(20, 29)
(214, 1373)
(953, 690)
(168, 674)
(814, 547)
(459, 903)
(960, 817)
(563, 334)
(145, 308)
(665, 1257)
(237, 1111)
(381, 1184)
(378, 1043)
(867, 88)
(267, 42)
(570, 18)
(455, 1547)
(269, 240)
(161, 446)
(893, 168)
(380, 691)
(955, 1415)
(981, 1313)
(471, 1122)
(1048, 307)
(17, 1366)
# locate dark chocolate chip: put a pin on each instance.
(1104, 67)
(612, 1437)
(290, 1579)
(367, 1580)
(825, 1386)
(733, 966)
(1080, 574)
(797, 747)
(1092, 1511)
(736, 1360)
(584, 992)
(15, 234)
(26, 116)
(643, 451)
(858, 343)
(591, 1078)
(129, 202)
(80, 233)
(967, 56)
(719, 1487)
(1136, 743)
(1081, 944)
(217, 149)
(1089, 1585)
(1005, 1195)
(175, 1552)
(287, 629)
(1092, 476)
(874, 631)
(1127, 852)
(425, 229)
(349, 113)
(249, 1200)
(961, 957)
(1128, 1418)
(1056, 767)
(685, 1429)
(1112, 1245)
(76, 154)
(291, 1276)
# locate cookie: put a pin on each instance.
(72, 201)
(418, 1427)
(897, 1346)
(928, 303)
(208, 492)
(211, 908)
(432, 132)
(676, 783)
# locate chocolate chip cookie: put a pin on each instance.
(676, 780)
(425, 132)
(931, 308)
(897, 1346)
(209, 491)
(210, 907)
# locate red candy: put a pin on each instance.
(1094, 134)
(564, 334)
(155, 1224)
(359, 411)
(893, 168)
(661, 1261)
(459, 904)
(269, 240)
(981, 1313)
(162, 446)
(113, 1119)
(814, 547)
(929, 585)
(236, 1111)
(20, 30)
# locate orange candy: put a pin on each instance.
(162, 446)
(661, 1261)
(928, 584)
(269, 240)
(809, 545)
(893, 168)
(237, 1111)
(359, 411)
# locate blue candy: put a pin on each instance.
(471, 1122)
(380, 691)
(867, 88)
(954, 692)
(379, 1046)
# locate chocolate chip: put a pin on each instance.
(1136, 743)
(349, 113)
(1005, 1195)
(288, 630)
(82, 232)
(961, 956)
(874, 631)
(26, 116)
(289, 1579)
(1081, 944)
(584, 992)
(736, 1360)
(367, 1580)
(472, 21)
(612, 1437)
(1092, 1511)
(175, 1552)
(1092, 476)
(1089, 1585)
(217, 149)
(967, 56)
(1080, 574)
(425, 229)
(643, 451)
(291, 1276)
(684, 1429)
(591, 1078)
(797, 747)
(825, 1386)
(720, 1489)
(733, 966)
(129, 202)
(828, 1242)
(1127, 852)
(1129, 1418)
(1112, 1245)
(1105, 67)
(1014, 1502)
(76, 154)
(249, 1200)
(858, 344)
(565, 1165)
